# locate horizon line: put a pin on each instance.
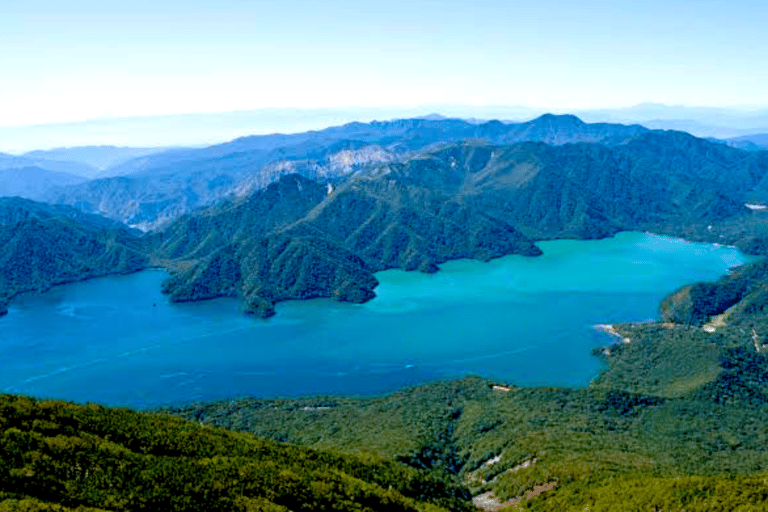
(429, 109)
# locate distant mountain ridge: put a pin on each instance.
(317, 214)
(413, 133)
(14, 210)
(33, 182)
(757, 142)
(20, 162)
(469, 199)
(719, 122)
(160, 187)
(100, 158)
(204, 129)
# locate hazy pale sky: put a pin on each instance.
(75, 60)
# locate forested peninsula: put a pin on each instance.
(675, 422)
(316, 228)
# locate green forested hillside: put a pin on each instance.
(54, 453)
(299, 239)
(411, 208)
(43, 245)
(675, 423)
(161, 187)
(722, 493)
(739, 296)
(250, 249)
(679, 412)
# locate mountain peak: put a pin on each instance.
(562, 119)
(433, 117)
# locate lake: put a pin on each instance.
(526, 321)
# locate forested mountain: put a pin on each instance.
(468, 199)
(681, 404)
(63, 457)
(160, 187)
(674, 423)
(335, 211)
(45, 245)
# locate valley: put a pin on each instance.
(535, 327)
(386, 256)
(308, 230)
(262, 224)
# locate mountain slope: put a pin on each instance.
(312, 243)
(465, 200)
(54, 453)
(152, 198)
(167, 184)
(675, 404)
(46, 245)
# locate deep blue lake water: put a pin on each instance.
(528, 321)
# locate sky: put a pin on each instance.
(79, 60)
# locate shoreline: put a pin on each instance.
(172, 267)
(6, 302)
(611, 330)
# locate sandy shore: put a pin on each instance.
(610, 329)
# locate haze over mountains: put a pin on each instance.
(316, 214)
(164, 183)
(756, 142)
(160, 187)
(717, 122)
(277, 217)
(205, 129)
(33, 174)
(33, 182)
(64, 166)
(100, 158)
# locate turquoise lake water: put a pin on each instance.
(527, 321)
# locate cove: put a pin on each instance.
(527, 321)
